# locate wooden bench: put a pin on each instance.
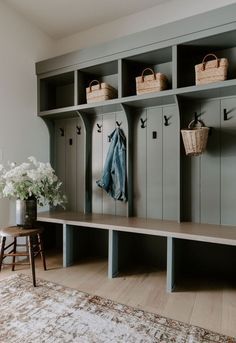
(218, 234)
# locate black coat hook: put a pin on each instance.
(166, 123)
(118, 124)
(225, 114)
(78, 130)
(62, 131)
(143, 121)
(99, 128)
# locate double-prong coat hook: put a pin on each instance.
(99, 128)
(118, 124)
(225, 114)
(78, 130)
(62, 131)
(143, 121)
(166, 122)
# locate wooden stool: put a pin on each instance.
(34, 246)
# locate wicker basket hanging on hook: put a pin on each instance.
(195, 138)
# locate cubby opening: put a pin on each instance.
(90, 244)
(208, 263)
(106, 72)
(140, 252)
(192, 53)
(158, 60)
(57, 91)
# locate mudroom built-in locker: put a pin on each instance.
(163, 183)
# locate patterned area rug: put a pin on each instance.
(53, 313)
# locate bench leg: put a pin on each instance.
(67, 245)
(170, 280)
(113, 254)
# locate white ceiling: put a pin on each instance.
(61, 18)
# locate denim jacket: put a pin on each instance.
(113, 179)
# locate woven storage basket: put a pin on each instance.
(195, 138)
(97, 91)
(211, 71)
(150, 83)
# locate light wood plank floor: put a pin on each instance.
(209, 304)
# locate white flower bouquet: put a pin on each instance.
(31, 180)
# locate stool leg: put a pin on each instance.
(14, 257)
(31, 258)
(41, 250)
(3, 241)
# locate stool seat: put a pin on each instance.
(19, 231)
(34, 246)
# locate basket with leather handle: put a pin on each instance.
(153, 82)
(211, 70)
(99, 91)
(195, 138)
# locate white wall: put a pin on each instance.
(161, 14)
(21, 133)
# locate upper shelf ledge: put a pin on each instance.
(211, 90)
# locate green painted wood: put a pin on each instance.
(210, 165)
(68, 253)
(71, 155)
(80, 163)
(76, 95)
(120, 79)
(153, 163)
(97, 164)
(86, 168)
(170, 165)
(60, 151)
(190, 170)
(121, 207)
(140, 164)
(130, 141)
(108, 203)
(170, 272)
(228, 162)
(195, 27)
(174, 66)
(113, 251)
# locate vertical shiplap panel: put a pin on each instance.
(191, 173)
(80, 165)
(108, 202)
(140, 165)
(154, 163)
(170, 163)
(210, 164)
(97, 159)
(228, 162)
(121, 207)
(71, 163)
(60, 153)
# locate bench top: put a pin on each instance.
(186, 230)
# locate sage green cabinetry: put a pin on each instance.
(162, 181)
